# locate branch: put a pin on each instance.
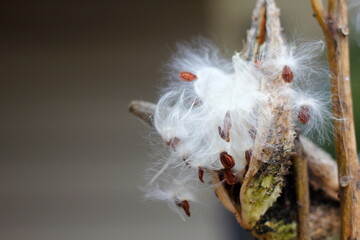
(336, 35)
(302, 193)
(143, 110)
(319, 13)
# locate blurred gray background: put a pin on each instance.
(71, 157)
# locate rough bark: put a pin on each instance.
(334, 23)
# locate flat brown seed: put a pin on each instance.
(201, 174)
(304, 114)
(227, 160)
(221, 133)
(185, 206)
(173, 142)
(227, 126)
(187, 76)
(287, 74)
(197, 102)
(224, 131)
(252, 133)
(258, 60)
(229, 177)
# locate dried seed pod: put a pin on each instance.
(201, 174)
(187, 76)
(185, 206)
(304, 114)
(224, 132)
(227, 160)
(287, 74)
(229, 177)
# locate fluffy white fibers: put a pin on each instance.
(207, 114)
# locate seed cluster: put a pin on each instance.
(208, 116)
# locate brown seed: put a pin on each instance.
(252, 133)
(221, 133)
(227, 160)
(304, 114)
(258, 60)
(197, 102)
(201, 174)
(248, 155)
(173, 142)
(187, 76)
(257, 63)
(184, 205)
(287, 75)
(227, 126)
(229, 177)
(224, 132)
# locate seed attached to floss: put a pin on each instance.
(201, 174)
(197, 102)
(187, 76)
(184, 205)
(173, 142)
(224, 132)
(229, 177)
(227, 160)
(287, 75)
(304, 114)
(258, 60)
(252, 133)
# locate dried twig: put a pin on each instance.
(144, 110)
(302, 192)
(335, 27)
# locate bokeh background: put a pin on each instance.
(72, 158)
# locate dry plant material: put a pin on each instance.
(334, 23)
(261, 175)
(302, 193)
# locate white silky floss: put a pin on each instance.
(212, 108)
